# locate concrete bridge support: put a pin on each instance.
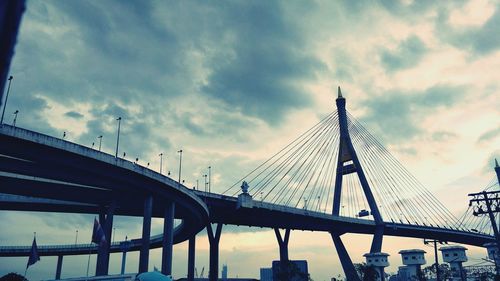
(213, 239)
(283, 244)
(345, 260)
(106, 221)
(191, 258)
(59, 267)
(124, 262)
(168, 237)
(146, 234)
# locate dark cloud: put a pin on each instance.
(74, 114)
(480, 40)
(408, 54)
(259, 74)
(396, 115)
(489, 135)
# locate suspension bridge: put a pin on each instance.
(335, 177)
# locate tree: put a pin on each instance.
(365, 272)
(13, 277)
(291, 272)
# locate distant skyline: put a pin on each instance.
(231, 82)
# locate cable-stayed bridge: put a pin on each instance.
(335, 177)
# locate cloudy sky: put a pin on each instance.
(231, 82)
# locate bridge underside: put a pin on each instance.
(88, 181)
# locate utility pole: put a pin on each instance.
(436, 261)
(487, 203)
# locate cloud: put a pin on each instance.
(260, 71)
(397, 115)
(489, 135)
(477, 39)
(74, 114)
(408, 54)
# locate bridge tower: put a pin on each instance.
(348, 163)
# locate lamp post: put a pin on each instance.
(76, 237)
(100, 141)
(180, 165)
(6, 99)
(15, 118)
(119, 119)
(161, 161)
(205, 176)
(209, 179)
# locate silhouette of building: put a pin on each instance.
(266, 274)
(224, 272)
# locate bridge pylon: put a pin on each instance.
(348, 163)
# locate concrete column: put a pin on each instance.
(146, 234)
(283, 245)
(191, 258)
(59, 267)
(168, 239)
(214, 239)
(124, 262)
(124, 246)
(345, 260)
(106, 221)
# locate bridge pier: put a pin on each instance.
(106, 221)
(146, 234)
(283, 245)
(168, 237)
(191, 258)
(345, 260)
(124, 262)
(59, 267)
(213, 239)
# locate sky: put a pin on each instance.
(232, 82)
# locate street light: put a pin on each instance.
(180, 164)
(76, 237)
(6, 99)
(209, 179)
(15, 118)
(205, 176)
(100, 141)
(161, 161)
(119, 119)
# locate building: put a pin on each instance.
(413, 260)
(266, 274)
(224, 272)
(455, 256)
(379, 261)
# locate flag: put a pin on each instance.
(98, 236)
(34, 257)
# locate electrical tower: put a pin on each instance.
(488, 203)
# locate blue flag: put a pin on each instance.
(98, 236)
(34, 257)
